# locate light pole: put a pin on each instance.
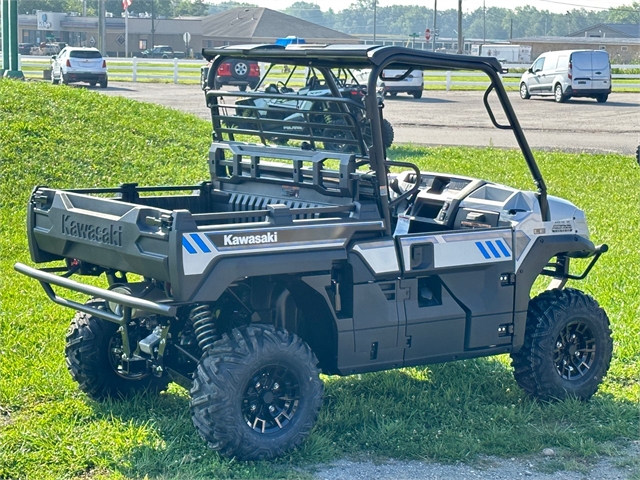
(484, 23)
(435, 16)
(375, 7)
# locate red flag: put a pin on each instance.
(126, 4)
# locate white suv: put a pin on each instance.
(413, 83)
(79, 64)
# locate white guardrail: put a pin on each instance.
(175, 70)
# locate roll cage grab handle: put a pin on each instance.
(496, 84)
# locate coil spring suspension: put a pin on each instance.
(203, 321)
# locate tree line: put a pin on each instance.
(396, 20)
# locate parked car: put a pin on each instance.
(241, 73)
(569, 73)
(161, 51)
(25, 48)
(79, 64)
(396, 82)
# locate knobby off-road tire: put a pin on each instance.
(388, 134)
(567, 346)
(256, 393)
(90, 345)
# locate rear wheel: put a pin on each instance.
(63, 78)
(524, 92)
(602, 98)
(104, 83)
(94, 350)
(242, 88)
(567, 346)
(256, 393)
(393, 94)
(92, 83)
(558, 95)
(417, 95)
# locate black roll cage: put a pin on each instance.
(377, 58)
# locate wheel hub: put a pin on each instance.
(270, 399)
(575, 350)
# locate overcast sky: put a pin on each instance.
(557, 6)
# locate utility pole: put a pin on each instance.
(460, 37)
(102, 28)
(153, 25)
(435, 16)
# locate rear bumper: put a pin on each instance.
(403, 88)
(85, 76)
(251, 81)
(47, 279)
(587, 92)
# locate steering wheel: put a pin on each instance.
(282, 87)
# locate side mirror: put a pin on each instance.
(530, 70)
(53, 57)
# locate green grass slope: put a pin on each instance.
(72, 137)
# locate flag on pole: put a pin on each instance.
(126, 4)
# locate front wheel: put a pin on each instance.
(524, 92)
(94, 351)
(567, 346)
(558, 95)
(256, 393)
(387, 133)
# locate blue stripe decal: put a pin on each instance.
(492, 248)
(503, 248)
(200, 243)
(483, 250)
(188, 247)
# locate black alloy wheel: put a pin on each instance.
(271, 399)
(575, 351)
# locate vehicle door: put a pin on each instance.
(601, 70)
(536, 71)
(581, 70)
(548, 73)
(457, 292)
(56, 63)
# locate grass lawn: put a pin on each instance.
(63, 137)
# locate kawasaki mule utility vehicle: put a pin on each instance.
(294, 260)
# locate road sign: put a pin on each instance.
(427, 34)
(120, 40)
(186, 37)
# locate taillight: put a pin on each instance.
(254, 70)
(224, 69)
(104, 64)
(569, 72)
(68, 62)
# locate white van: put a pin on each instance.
(569, 73)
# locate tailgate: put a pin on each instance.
(104, 232)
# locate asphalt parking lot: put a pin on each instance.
(459, 118)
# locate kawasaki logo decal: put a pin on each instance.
(109, 235)
(271, 237)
